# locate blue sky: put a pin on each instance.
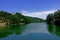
(33, 7)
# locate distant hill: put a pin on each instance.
(10, 18)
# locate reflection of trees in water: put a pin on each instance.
(54, 29)
(4, 32)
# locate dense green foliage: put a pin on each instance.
(53, 17)
(10, 18)
(49, 18)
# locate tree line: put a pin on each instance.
(10, 18)
(54, 18)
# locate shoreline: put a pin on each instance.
(2, 24)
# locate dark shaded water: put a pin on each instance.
(32, 31)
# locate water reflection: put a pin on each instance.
(7, 30)
(36, 28)
(33, 31)
(54, 29)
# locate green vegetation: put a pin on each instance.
(17, 18)
(49, 18)
(54, 18)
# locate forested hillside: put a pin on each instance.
(17, 18)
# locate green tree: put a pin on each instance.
(50, 18)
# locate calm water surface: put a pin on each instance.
(32, 31)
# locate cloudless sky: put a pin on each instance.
(29, 5)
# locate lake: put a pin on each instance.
(32, 31)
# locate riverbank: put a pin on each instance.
(2, 24)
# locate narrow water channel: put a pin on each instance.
(36, 31)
